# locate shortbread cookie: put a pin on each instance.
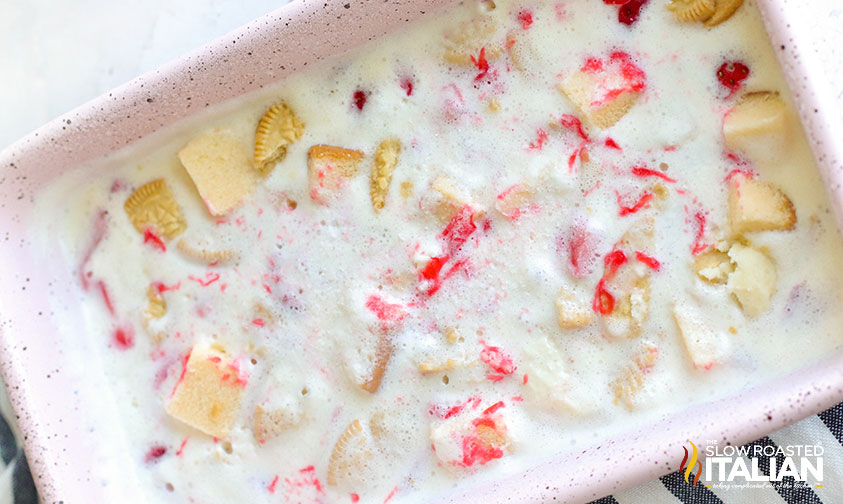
(152, 207)
(156, 305)
(434, 366)
(550, 384)
(383, 352)
(472, 435)
(522, 52)
(724, 9)
(277, 130)
(687, 11)
(205, 256)
(350, 455)
(628, 385)
(386, 159)
(267, 424)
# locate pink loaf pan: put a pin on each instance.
(77, 456)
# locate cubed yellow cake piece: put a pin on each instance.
(713, 266)
(549, 382)
(757, 126)
(328, 168)
(208, 394)
(514, 201)
(705, 345)
(583, 89)
(753, 282)
(573, 313)
(521, 50)
(221, 168)
(467, 39)
(758, 206)
(447, 198)
(268, 424)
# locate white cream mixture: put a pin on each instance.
(484, 379)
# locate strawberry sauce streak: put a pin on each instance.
(643, 172)
(642, 202)
(154, 240)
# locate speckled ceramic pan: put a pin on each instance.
(76, 456)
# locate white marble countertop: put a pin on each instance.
(56, 55)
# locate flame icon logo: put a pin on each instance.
(694, 460)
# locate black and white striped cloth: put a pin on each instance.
(16, 486)
(825, 429)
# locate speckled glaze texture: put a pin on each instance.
(50, 382)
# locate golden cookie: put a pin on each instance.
(205, 256)
(383, 353)
(631, 380)
(406, 189)
(156, 306)
(451, 335)
(269, 424)
(153, 207)
(386, 159)
(432, 366)
(520, 49)
(351, 452)
(377, 425)
(277, 130)
(687, 11)
(724, 9)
